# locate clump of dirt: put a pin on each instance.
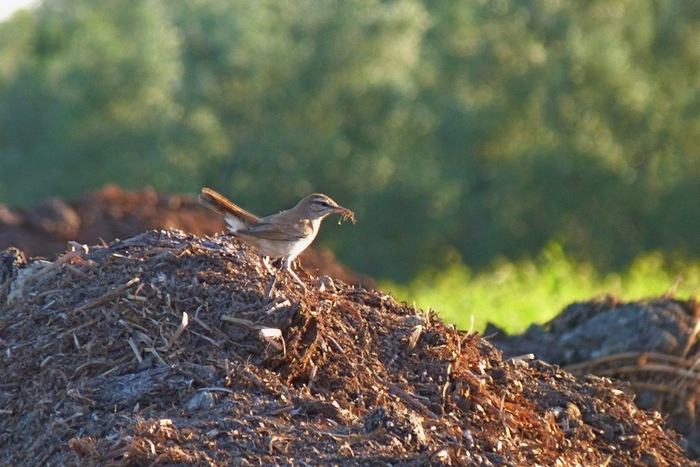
(654, 345)
(160, 349)
(111, 212)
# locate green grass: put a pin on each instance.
(514, 295)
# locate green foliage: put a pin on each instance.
(90, 99)
(490, 128)
(513, 295)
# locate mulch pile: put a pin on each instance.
(158, 349)
(653, 345)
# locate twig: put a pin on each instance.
(135, 349)
(650, 367)
(249, 325)
(59, 262)
(183, 324)
(408, 398)
(112, 294)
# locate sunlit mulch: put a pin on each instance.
(159, 349)
(653, 345)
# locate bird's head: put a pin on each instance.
(318, 206)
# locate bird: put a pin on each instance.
(283, 235)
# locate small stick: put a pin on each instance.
(183, 324)
(114, 293)
(408, 398)
(59, 262)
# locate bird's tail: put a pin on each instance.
(236, 217)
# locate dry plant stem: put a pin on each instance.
(109, 296)
(408, 398)
(268, 289)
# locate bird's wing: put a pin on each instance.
(274, 231)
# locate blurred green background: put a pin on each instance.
(549, 138)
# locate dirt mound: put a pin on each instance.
(111, 213)
(158, 349)
(654, 345)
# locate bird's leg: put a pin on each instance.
(297, 264)
(266, 263)
(273, 281)
(287, 266)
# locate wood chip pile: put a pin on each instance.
(159, 350)
(653, 345)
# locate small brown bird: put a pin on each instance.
(283, 235)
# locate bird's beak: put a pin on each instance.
(345, 214)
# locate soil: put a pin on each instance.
(159, 349)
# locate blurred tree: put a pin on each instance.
(564, 120)
(89, 99)
(316, 99)
(459, 127)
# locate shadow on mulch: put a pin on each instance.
(158, 349)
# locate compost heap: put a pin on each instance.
(653, 345)
(159, 349)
